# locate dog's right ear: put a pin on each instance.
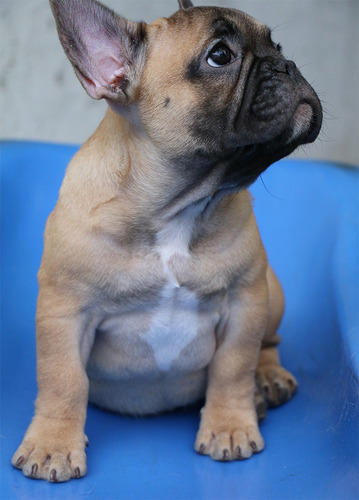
(185, 4)
(106, 50)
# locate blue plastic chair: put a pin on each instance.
(308, 215)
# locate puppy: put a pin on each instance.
(154, 287)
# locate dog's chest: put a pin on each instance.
(173, 331)
(175, 321)
(174, 325)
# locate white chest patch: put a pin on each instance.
(173, 240)
(174, 325)
(175, 237)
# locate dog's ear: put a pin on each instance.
(106, 50)
(185, 4)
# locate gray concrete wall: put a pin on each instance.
(41, 98)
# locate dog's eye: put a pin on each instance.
(219, 56)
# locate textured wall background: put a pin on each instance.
(41, 98)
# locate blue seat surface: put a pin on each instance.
(307, 212)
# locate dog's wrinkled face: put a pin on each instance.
(208, 86)
(225, 94)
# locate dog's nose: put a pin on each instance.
(279, 65)
(284, 66)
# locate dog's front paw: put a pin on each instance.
(276, 384)
(52, 449)
(228, 434)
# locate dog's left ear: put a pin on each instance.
(185, 4)
(106, 51)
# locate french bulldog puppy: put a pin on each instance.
(154, 287)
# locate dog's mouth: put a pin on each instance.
(250, 160)
(305, 123)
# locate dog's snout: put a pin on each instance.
(268, 65)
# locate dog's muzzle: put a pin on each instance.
(283, 101)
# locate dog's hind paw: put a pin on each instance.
(275, 385)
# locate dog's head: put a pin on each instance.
(208, 86)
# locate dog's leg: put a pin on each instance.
(275, 385)
(53, 446)
(229, 427)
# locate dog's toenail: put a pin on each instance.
(202, 448)
(292, 385)
(238, 452)
(261, 410)
(20, 461)
(225, 457)
(77, 473)
(34, 470)
(254, 446)
(53, 476)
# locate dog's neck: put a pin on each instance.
(137, 194)
(131, 114)
(144, 172)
